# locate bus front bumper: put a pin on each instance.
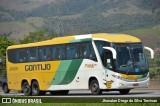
(138, 84)
(120, 84)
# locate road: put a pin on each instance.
(86, 93)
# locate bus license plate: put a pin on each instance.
(136, 84)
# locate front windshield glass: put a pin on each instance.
(130, 58)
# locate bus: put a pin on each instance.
(96, 62)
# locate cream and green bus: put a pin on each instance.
(99, 62)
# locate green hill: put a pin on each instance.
(70, 17)
(149, 36)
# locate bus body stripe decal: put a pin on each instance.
(81, 40)
(72, 71)
(66, 72)
(61, 71)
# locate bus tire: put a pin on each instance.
(5, 88)
(94, 87)
(26, 88)
(62, 92)
(35, 89)
(124, 91)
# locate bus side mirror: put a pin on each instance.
(113, 51)
(151, 51)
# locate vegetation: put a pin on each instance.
(4, 43)
(37, 36)
(158, 60)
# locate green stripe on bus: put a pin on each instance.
(74, 41)
(81, 40)
(61, 72)
(87, 39)
(72, 71)
(141, 76)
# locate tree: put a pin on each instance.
(4, 43)
(158, 60)
(37, 36)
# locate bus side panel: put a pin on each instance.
(12, 81)
(12, 76)
(16, 73)
(48, 77)
(86, 69)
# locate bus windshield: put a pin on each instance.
(130, 58)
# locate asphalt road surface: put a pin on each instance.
(87, 93)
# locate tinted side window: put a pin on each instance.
(58, 52)
(72, 51)
(92, 54)
(45, 53)
(33, 54)
(87, 51)
(22, 55)
(100, 45)
(84, 51)
(12, 54)
(106, 55)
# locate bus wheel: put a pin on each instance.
(63, 92)
(35, 89)
(94, 87)
(5, 88)
(124, 91)
(26, 89)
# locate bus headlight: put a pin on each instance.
(121, 85)
(117, 76)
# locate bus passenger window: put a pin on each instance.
(92, 55)
(72, 51)
(58, 52)
(55, 53)
(33, 54)
(12, 55)
(22, 55)
(83, 50)
(45, 53)
(87, 51)
(61, 52)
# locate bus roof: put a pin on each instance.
(116, 38)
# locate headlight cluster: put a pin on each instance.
(117, 76)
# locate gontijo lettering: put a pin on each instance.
(37, 67)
